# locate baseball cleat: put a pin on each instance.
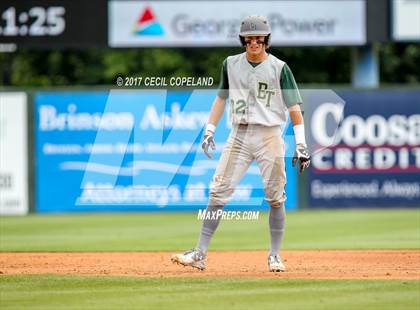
(275, 264)
(194, 258)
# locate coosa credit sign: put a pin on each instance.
(373, 158)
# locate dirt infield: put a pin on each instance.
(361, 264)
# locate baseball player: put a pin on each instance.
(261, 91)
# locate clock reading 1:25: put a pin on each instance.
(37, 21)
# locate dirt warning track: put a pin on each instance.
(323, 264)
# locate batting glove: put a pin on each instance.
(301, 155)
(208, 141)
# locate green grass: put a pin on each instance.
(64, 292)
(326, 229)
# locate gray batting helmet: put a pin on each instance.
(254, 26)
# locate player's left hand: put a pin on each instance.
(302, 156)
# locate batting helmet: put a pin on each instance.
(254, 26)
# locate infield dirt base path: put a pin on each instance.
(330, 264)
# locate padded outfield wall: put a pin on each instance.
(125, 150)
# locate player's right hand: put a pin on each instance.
(208, 142)
(302, 157)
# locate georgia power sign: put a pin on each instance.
(216, 23)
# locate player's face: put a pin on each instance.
(255, 44)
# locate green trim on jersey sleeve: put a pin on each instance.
(291, 95)
(224, 82)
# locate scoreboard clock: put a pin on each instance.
(36, 21)
(53, 23)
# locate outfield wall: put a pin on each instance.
(139, 150)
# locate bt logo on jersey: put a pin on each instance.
(264, 93)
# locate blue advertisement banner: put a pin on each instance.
(133, 150)
(373, 157)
